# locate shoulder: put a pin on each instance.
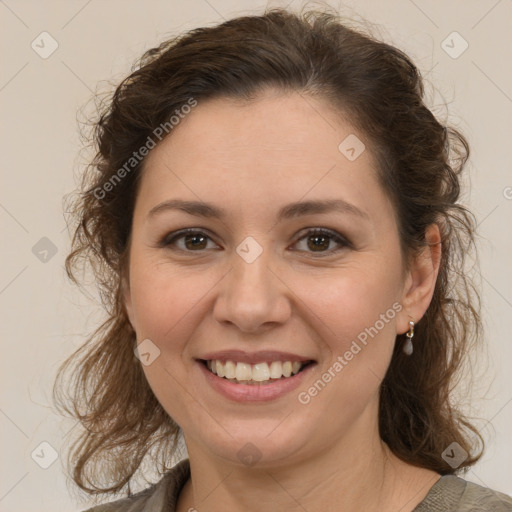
(159, 497)
(476, 497)
(454, 494)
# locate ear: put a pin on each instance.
(421, 280)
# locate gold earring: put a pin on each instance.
(408, 348)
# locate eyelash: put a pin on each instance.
(171, 238)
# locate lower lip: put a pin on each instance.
(254, 392)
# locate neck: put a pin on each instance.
(357, 472)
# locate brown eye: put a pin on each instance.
(318, 242)
(323, 241)
(188, 241)
(195, 241)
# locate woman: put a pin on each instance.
(272, 219)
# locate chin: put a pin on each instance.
(260, 443)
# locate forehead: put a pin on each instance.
(293, 125)
(277, 148)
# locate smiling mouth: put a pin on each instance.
(255, 374)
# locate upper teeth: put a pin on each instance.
(258, 372)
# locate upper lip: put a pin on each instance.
(254, 357)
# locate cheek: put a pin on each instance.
(357, 308)
(156, 308)
(351, 299)
(167, 301)
(357, 313)
(168, 307)
(162, 296)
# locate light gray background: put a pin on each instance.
(44, 318)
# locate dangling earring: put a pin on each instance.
(408, 348)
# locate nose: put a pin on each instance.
(252, 297)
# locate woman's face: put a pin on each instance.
(257, 284)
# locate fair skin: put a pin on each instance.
(198, 296)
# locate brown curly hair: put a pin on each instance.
(420, 161)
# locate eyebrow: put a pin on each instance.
(292, 210)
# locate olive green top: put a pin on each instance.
(449, 494)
